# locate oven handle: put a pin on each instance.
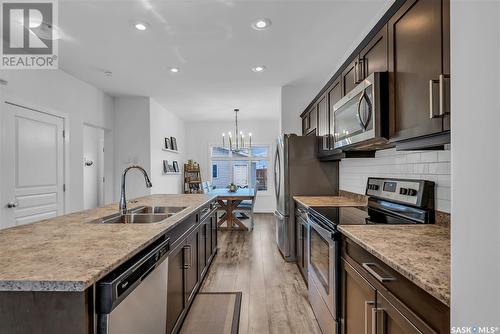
(323, 231)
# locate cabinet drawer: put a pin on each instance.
(425, 312)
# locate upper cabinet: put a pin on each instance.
(412, 44)
(374, 58)
(419, 69)
(310, 122)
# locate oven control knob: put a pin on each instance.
(373, 186)
(403, 191)
(412, 192)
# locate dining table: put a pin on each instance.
(229, 201)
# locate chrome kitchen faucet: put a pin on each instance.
(123, 201)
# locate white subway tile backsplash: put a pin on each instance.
(426, 165)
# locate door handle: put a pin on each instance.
(442, 96)
(368, 305)
(369, 267)
(364, 124)
(358, 70)
(188, 266)
(12, 205)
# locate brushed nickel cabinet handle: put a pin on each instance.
(368, 305)
(369, 267)
(431, 98)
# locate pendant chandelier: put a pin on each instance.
(238, 142)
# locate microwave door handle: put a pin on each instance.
(361, 123)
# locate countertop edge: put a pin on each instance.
(350, 201)
(407, 274)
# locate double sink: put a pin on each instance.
(143, 215)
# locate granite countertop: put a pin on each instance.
(70, 253)
(328, 201)
(420, 253)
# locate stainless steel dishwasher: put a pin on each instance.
(133, 298)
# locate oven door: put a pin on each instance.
(355, 114)
(323, 254)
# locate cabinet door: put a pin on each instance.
(334, 95)
(415, 59)
(305, 249)
(208, 240)
(175, 288)
(374, 55)
(214, 233)
(349, 78)
(358, 302)
(191, 263)
(390, 321)
(313, 120)
(323, 119)
(300, 244)
(202, 253)
(305, 124)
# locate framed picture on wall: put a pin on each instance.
(173, 143)
(168, 144)
(165, 166)
(176, 167)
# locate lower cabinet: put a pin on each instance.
(175, 290)
(302, 249)
(188, 264)
(358, 300)
(375, 299)
(191, 260)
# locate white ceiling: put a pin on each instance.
(213, 44)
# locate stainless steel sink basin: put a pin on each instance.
(168, 210)
(134, 218)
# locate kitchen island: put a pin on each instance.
(48, 269)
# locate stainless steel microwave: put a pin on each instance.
(361, 119)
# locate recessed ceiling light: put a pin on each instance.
(108, 73)
(259, 68)
(261, 24)
(141, 26)
(174, 70)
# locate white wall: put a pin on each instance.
(426, 165)
(199, 135)
(294, 99)
(132, 143)
(164, 123)
(475, 229)
(58, 91)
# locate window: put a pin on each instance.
(215, 172)
(246, 168)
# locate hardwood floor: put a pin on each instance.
(274, 293)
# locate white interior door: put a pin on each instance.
(32, 173)
(93, 167)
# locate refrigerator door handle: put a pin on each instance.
(277, 172)
(279, 215)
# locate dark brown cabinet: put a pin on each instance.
(191, 264)
(418, 58)
(189, 260)
(378, 300)
(358, 301)
(349, 77)
(310, 121)
(389, 319)
(302, 231)
(412, 43)
(373, 58)
(323, 117)
(175, 290)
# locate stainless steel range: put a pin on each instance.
(391, 201)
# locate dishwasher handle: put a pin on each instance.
(117, 285)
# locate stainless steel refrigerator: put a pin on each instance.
(297, 171)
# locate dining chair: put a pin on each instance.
(248, 207)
